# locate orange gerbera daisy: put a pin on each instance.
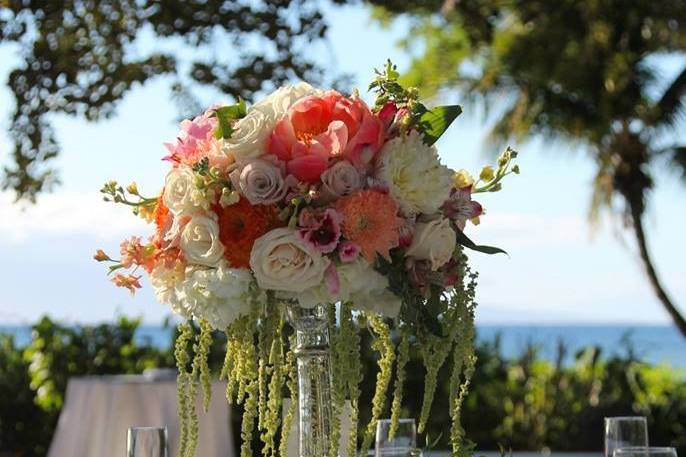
(370, 219)
(240, 225)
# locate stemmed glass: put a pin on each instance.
(642, 451)
(403, 444)
(147, 442)
(622, 432)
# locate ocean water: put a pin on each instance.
(654, 344)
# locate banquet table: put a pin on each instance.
(99, 410)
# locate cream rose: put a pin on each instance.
(180, 194)
(249, 138)
(200, 241)
(260, 181)
(433, 241)
(339, 180)
(281, 261)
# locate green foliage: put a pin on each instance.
(226, 115)
(435, 121)
(80, 58)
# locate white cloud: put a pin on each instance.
(517, 230)
(66, 213)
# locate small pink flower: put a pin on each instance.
(349, 251)
(460, 207)
(131, 251)
(321, 230)
(196, 140)
(331, 279)
(130, 282)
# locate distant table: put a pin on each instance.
(99, 410)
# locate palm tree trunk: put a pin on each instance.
(636, 216)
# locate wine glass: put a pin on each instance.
(630, 431)
(147, 442)
(404, 442)
(643, 451)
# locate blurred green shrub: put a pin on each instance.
(526, 403)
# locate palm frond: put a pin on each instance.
(672, 103)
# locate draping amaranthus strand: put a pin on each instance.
(182, 360)
(338, 381)
(352, 369)
(464, 361)
(276, 371)
(229, 363)
(403, 358)
(251, 391)
(265, 334)
(384, 345)
(291, 372)
(202, 354)
(199, 359)
(435, 351)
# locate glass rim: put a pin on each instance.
(644, 448)
(406, 419)
(626, 418)
(148, 428)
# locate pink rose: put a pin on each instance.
(318, 128)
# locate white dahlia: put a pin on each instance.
(220, 295)
(414, 174)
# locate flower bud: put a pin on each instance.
(229, 197)
(462, 179)
(132, 188)
(100, 256)
(515, 169)
(487, 174)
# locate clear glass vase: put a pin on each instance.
(314, 379)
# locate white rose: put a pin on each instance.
(200, 241)
(275, 105)
(220, 295)
(249, 138)
(260, 181)
(339, 180)
(282, 261)
(433, 241)
(414, 174)
(180, 194)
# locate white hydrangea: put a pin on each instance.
(164, 281)
(360, 284)
(220, 295)
(414, 174)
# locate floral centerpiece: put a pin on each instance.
(312, 204)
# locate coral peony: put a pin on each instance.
(320, 127)
(370, 220)
(240, 225)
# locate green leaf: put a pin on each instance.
(225, 115)
(436, 121)
(466, 242)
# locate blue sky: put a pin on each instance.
(559, 270)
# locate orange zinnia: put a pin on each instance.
(370, 219)
(240, 225)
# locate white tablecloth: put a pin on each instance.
(99, 410)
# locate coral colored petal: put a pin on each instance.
(335, 139)
(282, 140)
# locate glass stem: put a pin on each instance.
(314, 379)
